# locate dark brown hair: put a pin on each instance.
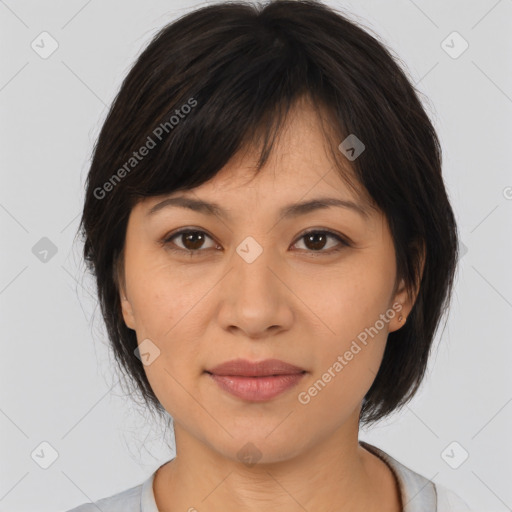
(223, 77)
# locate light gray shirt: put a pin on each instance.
(418, 493)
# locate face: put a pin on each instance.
(315, 290)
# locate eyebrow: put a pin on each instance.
(288, 211)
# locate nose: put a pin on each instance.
(254, 298)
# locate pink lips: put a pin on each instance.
(258, 381)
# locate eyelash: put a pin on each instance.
(166, 241)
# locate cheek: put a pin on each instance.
(351, 304)
(346, 369)
(161, 296)
(353, 296)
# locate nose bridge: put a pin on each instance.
(252, 262)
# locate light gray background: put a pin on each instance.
(58, 385)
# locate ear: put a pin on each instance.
(126, 307)
(404, 298)
(401, 305)
(127, 310)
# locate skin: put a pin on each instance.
(291, 303)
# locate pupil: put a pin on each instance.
(190, 236)
(314, 236)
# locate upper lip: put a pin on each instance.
(246, 368)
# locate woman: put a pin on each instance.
(274, 248)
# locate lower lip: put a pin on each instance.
(257, 389)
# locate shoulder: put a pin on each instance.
(418, 493)
(125, 501)
(448, 501)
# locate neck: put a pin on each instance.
(337, 475)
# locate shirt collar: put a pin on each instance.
(417, 492)
(147, 497)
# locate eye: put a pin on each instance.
(316, 241)
(193, 241)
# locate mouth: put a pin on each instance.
(246, 368)
(256, 382)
